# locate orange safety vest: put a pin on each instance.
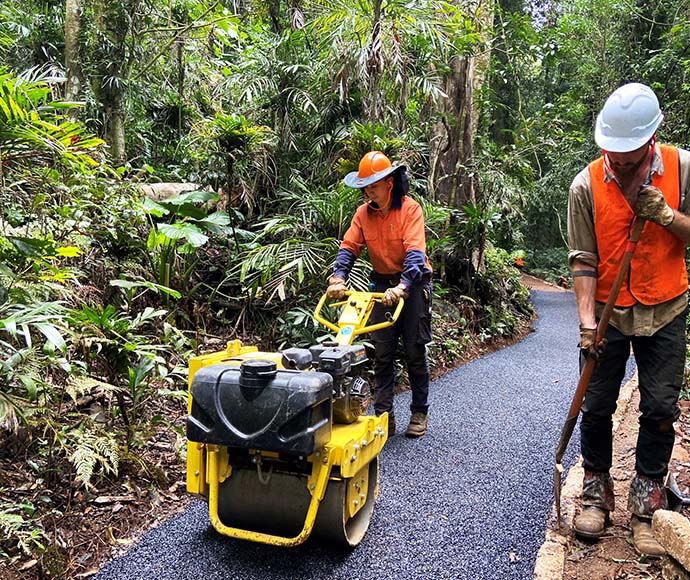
(657, 269)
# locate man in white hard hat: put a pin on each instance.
(635, 176)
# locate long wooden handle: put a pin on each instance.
(602, 325)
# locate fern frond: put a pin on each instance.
(24, 533)
(92, 450)
(79, 386)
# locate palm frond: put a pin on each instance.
(32, 125)
(280, 269)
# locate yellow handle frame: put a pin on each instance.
(355, 314)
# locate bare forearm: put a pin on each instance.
(585, 288)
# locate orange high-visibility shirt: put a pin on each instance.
(387, 237)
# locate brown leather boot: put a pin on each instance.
(591, 522)
(643, 538)
(417, 426)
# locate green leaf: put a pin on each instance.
(189, 232)
(68, 251)
(32, 247)
(30, 386)
(177, 394)
(153, 208)
(130, 284)
(219, 218)
(52, 334)
(197, 196)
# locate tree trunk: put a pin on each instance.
(72, 56)
(451, 178)
(113, 25)
(506, 93)
(451, 144)
(116, 130)
(374, 66)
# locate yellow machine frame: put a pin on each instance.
(351, 447)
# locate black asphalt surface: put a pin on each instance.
(468, 501)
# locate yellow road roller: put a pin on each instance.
(278, 443)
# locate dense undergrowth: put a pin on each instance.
(105, 293)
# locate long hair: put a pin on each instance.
(401, 186)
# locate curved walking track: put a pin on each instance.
(468, 501)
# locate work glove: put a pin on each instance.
(587, 339)
(393, 295)
(652, 206)
(336, 288)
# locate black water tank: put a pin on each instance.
(260, 407)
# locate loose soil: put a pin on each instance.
(86, 527)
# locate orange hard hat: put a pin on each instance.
(373, 167)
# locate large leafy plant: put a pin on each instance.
(32, 124)
(174, 244)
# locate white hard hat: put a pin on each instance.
(629, 119)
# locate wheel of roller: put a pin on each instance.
(274, 506)
(279, 506)
(333, 523)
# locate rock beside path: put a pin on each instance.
(672, 531)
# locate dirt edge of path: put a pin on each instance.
(564, 556)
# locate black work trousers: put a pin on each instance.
(414, 326)
(660, 360)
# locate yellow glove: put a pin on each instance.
(336, 288)
(652, 206)
(393, 295)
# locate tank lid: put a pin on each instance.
(257, 372)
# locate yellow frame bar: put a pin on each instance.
(322, 470)
(346, 332)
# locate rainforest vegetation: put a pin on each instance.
(171, 178)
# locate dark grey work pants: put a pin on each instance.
(660, 361)
(414, 326)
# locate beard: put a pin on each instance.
(625, 169)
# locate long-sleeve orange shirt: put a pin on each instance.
(396, 241)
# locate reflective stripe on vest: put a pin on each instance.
(657, 269)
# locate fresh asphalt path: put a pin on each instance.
(468, 501)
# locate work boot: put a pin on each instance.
(646, 496)
(643, 538)
(417, 425)
(590, 523)
(597, 490)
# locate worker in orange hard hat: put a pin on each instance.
(391, 225)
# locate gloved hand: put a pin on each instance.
(652, 206)
(393, 295)
(587, 339)
(336, 288)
